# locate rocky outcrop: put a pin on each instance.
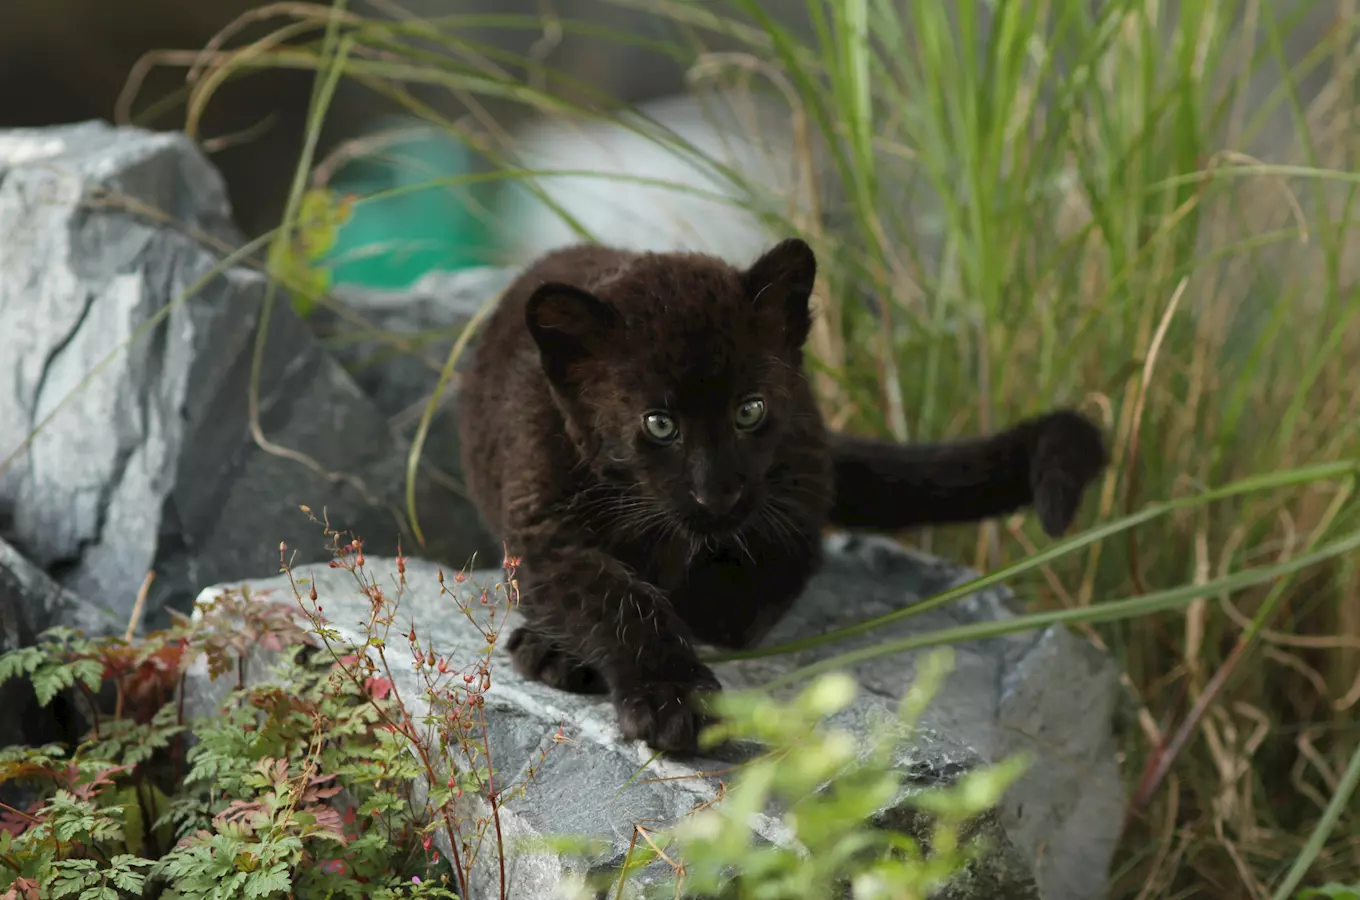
(1050, 695)
(125, 439)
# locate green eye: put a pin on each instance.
(660, 427)
(750, 413)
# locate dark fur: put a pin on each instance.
(624, 569)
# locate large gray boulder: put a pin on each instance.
(1048, 693)
(128, 363)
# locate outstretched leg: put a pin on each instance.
(586, 611)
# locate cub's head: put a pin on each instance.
(681, 375)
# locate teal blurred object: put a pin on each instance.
(392, 241)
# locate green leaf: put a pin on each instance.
(74, 877)
(51, 677)
(1331, 892)
(275, 879)
(124, 872)
(20, 663)
(320, 214)
(67, 887)
(89, 671)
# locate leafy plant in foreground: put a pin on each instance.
(303, 782)
(832, 791)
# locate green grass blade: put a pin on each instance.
(1331, 816)
(427, 416)
(1254, 484)
(1132, 607)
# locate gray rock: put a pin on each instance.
(31, 603)
(427, 316)
(394, 344)
(1047, 693)
(144, 457)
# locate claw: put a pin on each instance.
(668, 716)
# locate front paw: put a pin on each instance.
(1067, 454)
(666, 713)
(538, 658)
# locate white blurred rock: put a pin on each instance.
(756, 143)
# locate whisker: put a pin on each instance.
(741, 542)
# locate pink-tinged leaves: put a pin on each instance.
(378, 687)
(88, 790)
(23, 889)
(15, 822)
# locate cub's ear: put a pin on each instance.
(569, 325)
(782, 279)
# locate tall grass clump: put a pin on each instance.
(1136, 207)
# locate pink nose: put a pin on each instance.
(718, 502)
